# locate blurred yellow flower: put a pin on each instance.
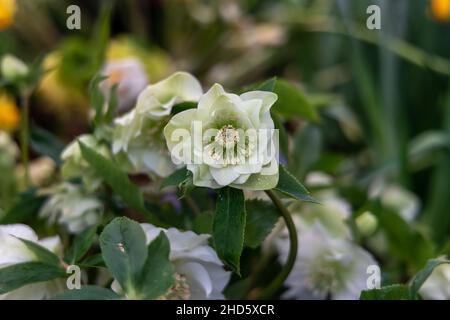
(441, 10)
(9, 113)
(7, 9)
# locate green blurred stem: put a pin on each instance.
(276, 283)
(24, 136)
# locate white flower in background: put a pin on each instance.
(8, 148)
(227, 140)
(41, 171)
(12, 68)
(199, 273)
(138, 135)
(326, 267)
(130, 76)
(437, 286)
(13, 251)
(74, 165)
(68, 205)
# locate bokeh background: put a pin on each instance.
(379, 100)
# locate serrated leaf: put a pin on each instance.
(88, 293)
(19, 275)
(290, 186)
(157, 273)
(261, 219)
(42, 254)
(124, 250)
(293, 102)
(81, 245)
(393, 292)
(229, 226)
(117, 180)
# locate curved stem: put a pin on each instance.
(276, 283)
(24, 137)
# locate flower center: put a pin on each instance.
(227, 136)
(179, 291)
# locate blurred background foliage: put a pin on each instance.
(374, 105)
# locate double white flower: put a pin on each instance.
(199, 273)
(227, 140)
(138, 138)
(13, 251)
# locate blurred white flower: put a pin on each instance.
(12, 68)
(130, 76)
(138, 139)
(13, 251)
(74, 165)
(68, 205)
(326, 266)
(227, 140)
(199, 273)
(437, 286)
(396, 198)
(8, 148)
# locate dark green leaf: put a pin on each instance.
(394, 292)
(290, 186)
(112, 104)
(26, 206)
(203, 223)
(88, 293)
(97, 99)
(46, 143)
(117, 180)
(261, 218)
(42, 254)
(124, 251)
(19, 275)
(157, 274)
(293, 102)
(229, 226)
(176, 178)
(183, 106)
(94, 261)
(81, 245)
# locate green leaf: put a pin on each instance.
(88, 293)
(268, 85)
(42, 254)
(293, 102)
(81, 245)
(97, 99)
(284, 139)
(290, 186)
(124, 251)
(183, 106)
(229, 226)
(19, 275)
(117, 180)
(261, 219)
(176, 178)
(157, 273)
(46, 143)
(94, 261)
(203, 223)
(112, 104)
(393, 292)
(25, 207)
(420, 278)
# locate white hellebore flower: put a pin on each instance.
(326, 267)
(437, 286)
(74, 165)
(199, 273)
(72, 208)
(227, 140)
(130, 77)
(13, 251)
(138, 135)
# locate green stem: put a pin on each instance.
(24, 136)
(276, 283)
